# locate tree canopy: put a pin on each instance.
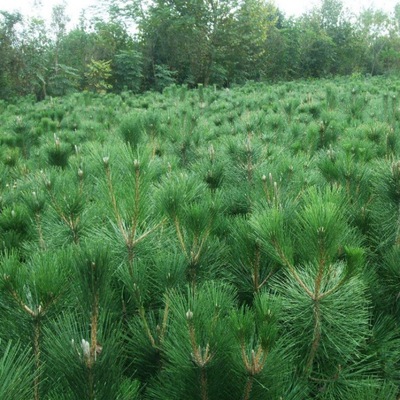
(151, 45)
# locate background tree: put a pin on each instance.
(34, 49)
(98, 75)
(76, 50)
(187, 37)
(317, 49)
(128, 70)
(374, 26)
(254, 22)
(336, 22)
(156, 44)
(10, 61)
(61, 77)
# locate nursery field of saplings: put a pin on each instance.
(202, 244)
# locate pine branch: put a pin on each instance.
(180, 237)
(38, 221)
(142, 314)
(200, 357)
(147, 233)
(21, 303)
(253, 366)
(36, 339)
(291, 268)
(37, 353)
(248, 388)
(114, 200)
(316, 335)
(94, 320)
(196, 256)
(164, 321)
(265, 280)
(256, 270)
(135, 217)
(334, 289)
(69, 221)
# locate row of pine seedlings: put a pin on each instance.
(202, 244)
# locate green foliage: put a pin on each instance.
(98, 74)
(202, 244)
(64, 80)
(131, 129)
(128, 70)
(163, 77)
(15, 365)
(58, 154)
(134, 48)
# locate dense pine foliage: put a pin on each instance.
(136, 45)
(202, 244)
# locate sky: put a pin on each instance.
(297, 7)
(43, 8)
